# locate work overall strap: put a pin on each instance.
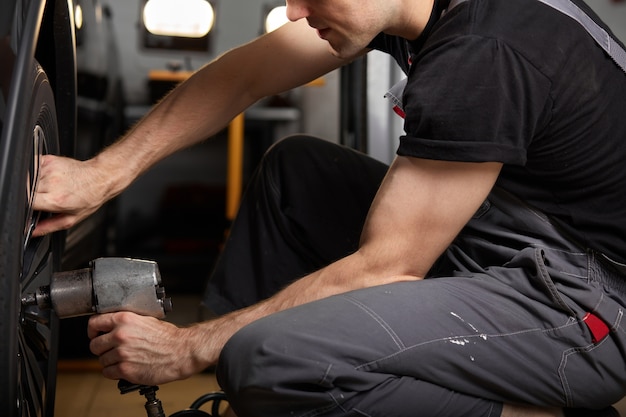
(602, 38)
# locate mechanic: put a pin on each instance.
(507, 195)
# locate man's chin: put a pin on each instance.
(342, 52)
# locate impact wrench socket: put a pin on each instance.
(107, 285)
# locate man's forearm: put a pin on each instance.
(196, 110)
(347, 274)
(206, 102)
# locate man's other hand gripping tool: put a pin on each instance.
(117, 284)
(106, 286)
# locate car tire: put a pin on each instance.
(28, 346)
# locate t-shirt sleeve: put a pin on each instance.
(473, 99)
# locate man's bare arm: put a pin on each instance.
(197, 109)
(420, 208)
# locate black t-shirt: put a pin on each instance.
(518, 82)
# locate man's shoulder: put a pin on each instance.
(508, 20)
(539, 33)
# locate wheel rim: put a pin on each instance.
(32, 180)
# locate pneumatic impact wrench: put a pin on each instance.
(106, 286)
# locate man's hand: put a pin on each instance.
(68, 188)
(142, 350)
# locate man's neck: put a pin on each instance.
(413, 18)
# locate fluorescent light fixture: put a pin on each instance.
(182, 18)
(276, 18)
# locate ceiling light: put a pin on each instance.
(183, 18)
(78, 17)
(276, 18)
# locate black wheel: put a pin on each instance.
(28, 347)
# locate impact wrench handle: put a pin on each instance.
(153, 405)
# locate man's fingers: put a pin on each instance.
(100, 323)
(67, 189)
(140, 349)
(54, 224)
(112, 372)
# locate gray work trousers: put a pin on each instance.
(512, 312)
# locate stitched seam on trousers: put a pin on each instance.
(491, 411)
(320, 410)
(396, 339)
(618, 321)
(569, 274)
(356, 410)
(557, 250)
(483, 336)
(595, 307)
(547, 281)
(323, 380)
(329, 407)
(567, 392)
(620, 313)
(567, 252)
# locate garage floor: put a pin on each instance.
(88, 394)
(83, 391)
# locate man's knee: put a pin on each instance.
(249, 368)
(239, 354)
(294, 150)
(269, 362)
